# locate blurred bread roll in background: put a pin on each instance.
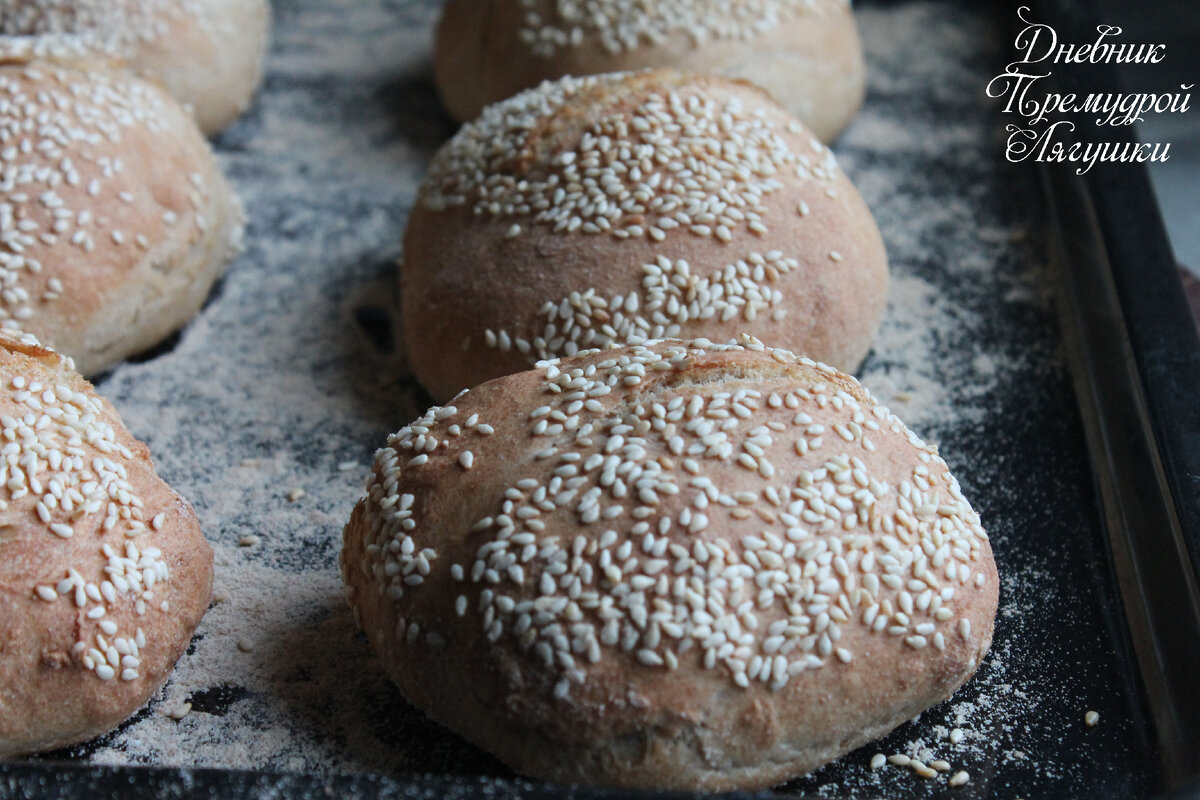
(805, 53)
(208, 53)
(610, 209)
(115, 219)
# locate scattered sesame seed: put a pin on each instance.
(295, 493)
(878, 760)
(346, 466)
(180, 711)
(1091, 718)
(249, 540)
(959, 778)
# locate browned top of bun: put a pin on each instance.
(620, 26)
(616, 208)
(654, 544)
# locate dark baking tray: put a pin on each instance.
(1105, 413)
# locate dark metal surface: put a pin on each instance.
(1135, 358)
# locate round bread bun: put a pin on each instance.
(805, 53)
(115, 219)
(672, 565)
(612, 209)
(104, 573)
(208, 53)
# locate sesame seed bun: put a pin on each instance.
(117, 219)
(104, 573)
(616, 208)
(674, 565)
(806, 53)
(208, 53)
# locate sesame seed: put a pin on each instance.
(959, 778)
(249, 540)
(180, 711)
(878, 760)
(1091, 718)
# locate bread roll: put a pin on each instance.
(104, 573)
(208, 53)
(114, 216)
(611, 209)
(806, 53)
(672, 565)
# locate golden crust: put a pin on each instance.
(795, 239)
(547, 661)
(69, 672)
(126, 220)
(806, 55)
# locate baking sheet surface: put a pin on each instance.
(294, 373)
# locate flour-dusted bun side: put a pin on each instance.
(806, 53)
(208, 53)
(104, 573)
(673, 565)
(610, 209)
(115, 217)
